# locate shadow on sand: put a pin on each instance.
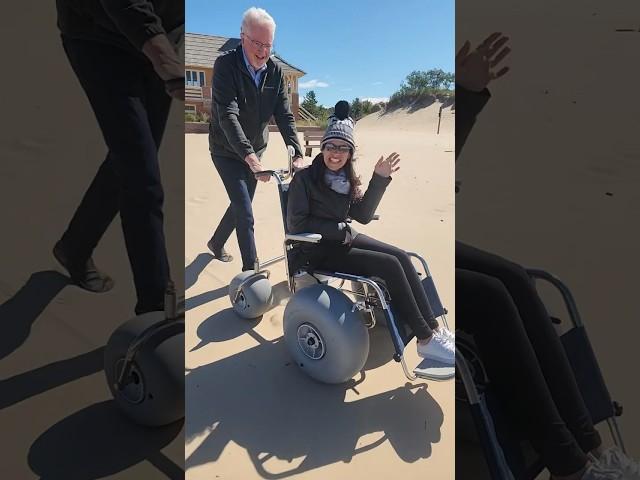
(194, 269)
(95, 442)
(419, 104)
(259, 400)
(98, 441)
(19, 313)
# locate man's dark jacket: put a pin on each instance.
(127, 24)
(240, 111)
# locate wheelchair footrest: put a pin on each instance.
(433, 370)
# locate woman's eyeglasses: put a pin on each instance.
(330, 147)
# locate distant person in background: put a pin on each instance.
(248, 89)
(125, 55)
(497, 302)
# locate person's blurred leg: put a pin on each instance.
(546, 343)
(485, 308)
(131, 108)
(369, 243)
(240, 185)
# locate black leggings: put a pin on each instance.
(497, 302)
(369, 257)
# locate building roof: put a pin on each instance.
(202, 50)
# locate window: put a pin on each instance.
(194, 78)
(190, 109)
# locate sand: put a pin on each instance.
(548, 147)
(55, 408)
(250, 413)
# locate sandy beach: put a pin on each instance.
(57, 417)
(250, 412)
(550, 173)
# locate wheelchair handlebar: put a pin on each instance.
(281, 174)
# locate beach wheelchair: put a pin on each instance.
(144, 364)
(481, 423)
(325, 331)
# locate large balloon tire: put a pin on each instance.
(156, 397)
(256, 296)
(325, 337)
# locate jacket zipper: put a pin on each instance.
(258, 90)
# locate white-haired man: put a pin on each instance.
(248, 89)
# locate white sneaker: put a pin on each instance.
(439, 348)
(596, 472)
(447, 333)
(614, 459)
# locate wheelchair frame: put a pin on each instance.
(290, 241)
(497, 463)
(494, 454)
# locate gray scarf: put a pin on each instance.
(337, 181)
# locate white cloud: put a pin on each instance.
(375, 100)
(314, 84)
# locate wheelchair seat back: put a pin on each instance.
(283, 191)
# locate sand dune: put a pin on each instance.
(411, 119)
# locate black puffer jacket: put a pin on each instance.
(313, 207)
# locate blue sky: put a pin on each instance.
(348, 48)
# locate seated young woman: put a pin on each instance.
(324, 195)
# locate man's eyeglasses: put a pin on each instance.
(258, 44)
(330, 147)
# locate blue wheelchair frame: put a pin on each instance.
(504, 451)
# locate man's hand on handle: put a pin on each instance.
(298, 163)
(175, 88)
(254, 164)
(166, 63)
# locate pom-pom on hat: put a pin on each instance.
(340, 125)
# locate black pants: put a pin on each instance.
(497, 302)
(369, 257)
(131, 107)
(240, 184)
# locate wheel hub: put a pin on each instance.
(310, 342)
(241, 302)
(132, 390)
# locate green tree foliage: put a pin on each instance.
(419, 85)
(310, 103)
(435, 79)
(361, 108)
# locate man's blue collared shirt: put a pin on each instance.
(255, 74)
